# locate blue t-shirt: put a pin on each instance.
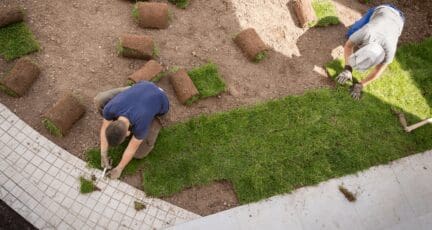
(139, 104)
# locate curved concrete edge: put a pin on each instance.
(393, 196)
(40, 181)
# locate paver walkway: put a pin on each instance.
(40, 181)
(394, 196)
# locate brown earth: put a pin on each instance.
(153, 15)
(21, 77)
(206, 200)
(147, 72)
(11, 220)
(65, 113)
(250, 43)
(183, 86)
(79, 53)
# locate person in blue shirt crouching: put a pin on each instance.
(130, 110)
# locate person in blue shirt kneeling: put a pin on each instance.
(130, 110)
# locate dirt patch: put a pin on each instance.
(206, 200)
(304, 11)
(9, 219)
(134, 180)
(351, 197)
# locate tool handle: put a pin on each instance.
(418, 125)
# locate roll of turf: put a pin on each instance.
(20, 78)
(304, 11)
(147, 72)
(183, 86)
(11, 15)
(152, 15)
(251, 44)
(136, 46)
(60, 118)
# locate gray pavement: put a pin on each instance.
(40, 181)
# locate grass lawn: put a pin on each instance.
(326, 13)
(278, 146)
(17, 40)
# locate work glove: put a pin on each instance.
(356, 91)
(105, 161)
(343, 77)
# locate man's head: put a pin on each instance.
(116, 132)
(366, 57)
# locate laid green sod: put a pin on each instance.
(326, 13)
(180, 3)
(278, 146)
(87, 186)
(17, 40)
(207, 80)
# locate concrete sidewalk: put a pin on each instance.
(394, 196)
(40, 181)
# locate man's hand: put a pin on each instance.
(356, 91)
(105, 161)
(343, 77)
(115, 173)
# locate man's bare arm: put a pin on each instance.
(375, 74)
(104, 143)
(348, 50)
(129, 152)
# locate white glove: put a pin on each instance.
(343, 77)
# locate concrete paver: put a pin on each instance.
(40, 181)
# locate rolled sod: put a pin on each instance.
(251, 44)
(60, 118)
(136, 46)
(305, 12)
(11, 15)
(20, 78)
(183, 86)
(151, 15)
(148, 72)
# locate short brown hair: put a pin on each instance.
(116, 133)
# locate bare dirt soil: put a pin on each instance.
(206, 200)
(11, 220)
(78, 40)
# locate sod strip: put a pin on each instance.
(11, 15)
(326, 13)
(207, 80)
(278, 146)
(16, 40)
(251, 44)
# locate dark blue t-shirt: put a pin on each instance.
(140, 104)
